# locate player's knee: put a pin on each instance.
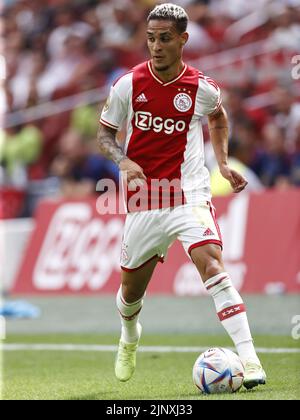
(207, 265)
(130, 294)
(212, 267)
(208, 260)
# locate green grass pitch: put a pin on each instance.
(78, 375)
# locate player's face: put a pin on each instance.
(165, 44)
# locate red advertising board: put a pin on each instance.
(11, 202)
(75, 250)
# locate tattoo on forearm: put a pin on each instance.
(109, 147)
(218, 127)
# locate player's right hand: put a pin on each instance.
(132, 173)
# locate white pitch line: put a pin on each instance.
(142, 349)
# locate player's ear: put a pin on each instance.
(184, 38)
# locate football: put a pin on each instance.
(218, 370)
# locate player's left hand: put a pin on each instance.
(237, 181)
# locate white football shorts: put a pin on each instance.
(149, 234)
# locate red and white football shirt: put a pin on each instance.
(164, 133)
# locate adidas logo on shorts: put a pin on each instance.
(208, 232)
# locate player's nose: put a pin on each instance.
(157, 46)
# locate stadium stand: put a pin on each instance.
(60, 58)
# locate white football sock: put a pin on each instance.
(232, 314)
(129, 314)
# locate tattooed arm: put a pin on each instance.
(111, 150)
(108, 145)
(218, 129)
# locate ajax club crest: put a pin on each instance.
(183, 102)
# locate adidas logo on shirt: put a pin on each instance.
(141, 98)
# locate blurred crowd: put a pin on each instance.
(56, 49)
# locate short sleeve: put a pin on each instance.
(208, 99)
(115, 110)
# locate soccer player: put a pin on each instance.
(162, 102)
